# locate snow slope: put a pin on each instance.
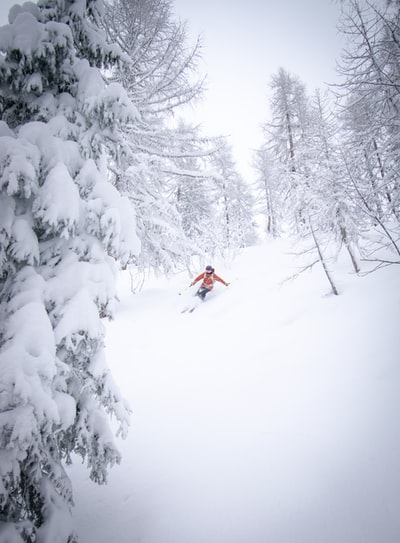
(269, 414)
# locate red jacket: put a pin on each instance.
(209, 280)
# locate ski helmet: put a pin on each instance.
(209, 269)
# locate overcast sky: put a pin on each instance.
(244, 44)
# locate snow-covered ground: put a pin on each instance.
(269, 414)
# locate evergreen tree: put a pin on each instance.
(63, 228)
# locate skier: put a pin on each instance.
(208, 278)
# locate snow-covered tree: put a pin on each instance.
(371, 104)
(193, 181)
(63, 228)
(333, 209)
(267, 192)
(234, 203)
(164, 245)
(162, 72)
(287, 138)
(300, 161)
(160, 78)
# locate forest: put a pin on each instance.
(99, 172)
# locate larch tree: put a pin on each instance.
(192, 178)
(63, 230)
(333, 178)
(371, 102)
(287, 139)
(266, 189)
(160, 78)
(335, 213)
(297, 144)
(233, 225)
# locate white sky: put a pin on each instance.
(244, 44)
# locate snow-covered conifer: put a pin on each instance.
(63, 228)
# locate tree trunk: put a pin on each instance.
(291, 144)
(323, 261)
(346, 242)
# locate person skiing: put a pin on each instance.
(208, 278)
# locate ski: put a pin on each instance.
(189, 309)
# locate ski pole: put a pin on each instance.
(184, 290)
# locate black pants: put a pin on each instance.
(201, 293)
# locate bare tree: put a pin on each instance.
(370, 96)
(160, 75)
(266, 190)
(234, 213)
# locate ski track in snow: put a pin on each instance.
(268, 414)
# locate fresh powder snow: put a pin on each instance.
(270, 413)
